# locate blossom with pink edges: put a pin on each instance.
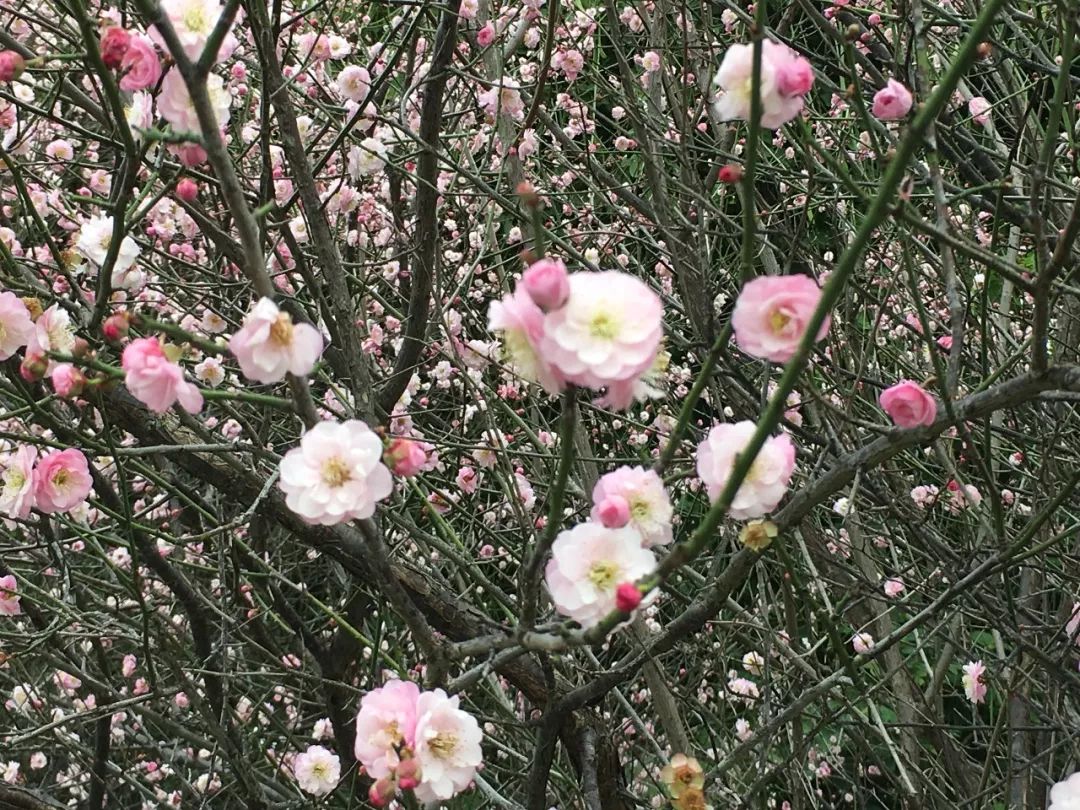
(641, 493)
(16, 326)
(786, 78)
(974, 688)
(61, 481)
(385, 724)
(447, 747)
(317, 770)
(766, 482)
(155, 380)
(607, 335)
(269, 345)
(588, 564)
(908, 404)
(547, 283)
(772, 314)
(17, 495)
(9, 596)
(521, 324)
(336, 474)
(193, 21)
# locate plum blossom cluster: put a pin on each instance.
(58, 481)
(419, 741)
(598, 330)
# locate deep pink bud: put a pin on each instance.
(404, 457)
(627, 597)
(33, 367)
(547, 284)
(187, 190)
(730, 173)
(613, 511)
(408, 774)
(382, 791)
(116, 327)
(11, 65)
(114, 44)
(191, 154)
(67, 380)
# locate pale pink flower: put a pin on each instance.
(587, 565)
(862, 643)
(648, 506)
(961, 498)
(486, 35)
(317, 771)
(270, 345)
(772, 313)
(385, 724)
(61, 481)
(547, 283)
(447, 747)
(9, 597)
(893, 587)
(1072, 626)
(16, 326)
(140, 65)
(766, 482)
(521, 323)
(1065, 795)
(468, 480)
(979, 108)
(607, 335)
(974, 688)
(785, 79)
(336, 474)
(892, 102)
(52, 332)
(17, 496)
(155, 380)
(129, 665)
(354, 83)
(193, 20)
(908, 404)
(67, 380)
(174, 102)
(503, 98)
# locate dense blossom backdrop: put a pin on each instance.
(543, 404)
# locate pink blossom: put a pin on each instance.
(908, 404)
(521, 323)
(627, 597)
(467, 479)
(317, 770)
(270, 345)
(16, 326)
(114, 44)
(447, 749)
(772, 314)
(587, 565)
(766, 482)
(193, 20)
(640, 492)
(17, 496)
(9, 598)
(129, 665)
(67, 380)
(894, 587)
(547, 283)
(386, 723)
(892, 102)
(785, 79)
(61, 481)
(404, 457)
(140, 66)
(974, 688)
(11, 65)
(155, 380)
(187, 190)
(607, 335)
(486, 35)
(336, 474)
(862, 643)
(354, 83)
(979, 108)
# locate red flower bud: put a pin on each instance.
(731, 173)
(116, 326)
(114, 44)
(627, 597)
(11, 65)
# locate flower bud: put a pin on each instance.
(627, 597)
(33, 367)
(382, 791)
(731, 173)
(408, 774)
(116, 326)
(11, 65)
(547, 284)
(404, 457)
(114, 44)
(67, 380)
(613, 511)
(187, 190)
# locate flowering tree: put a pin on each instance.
(539, 405)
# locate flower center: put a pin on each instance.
(319, 770)
(778, 321)
(443, 745)
(603, 575)
(281, 331)
(335, 472)
(14, 480)
(639, 509)
(603, 326)
(61, 479)
(195, 19)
